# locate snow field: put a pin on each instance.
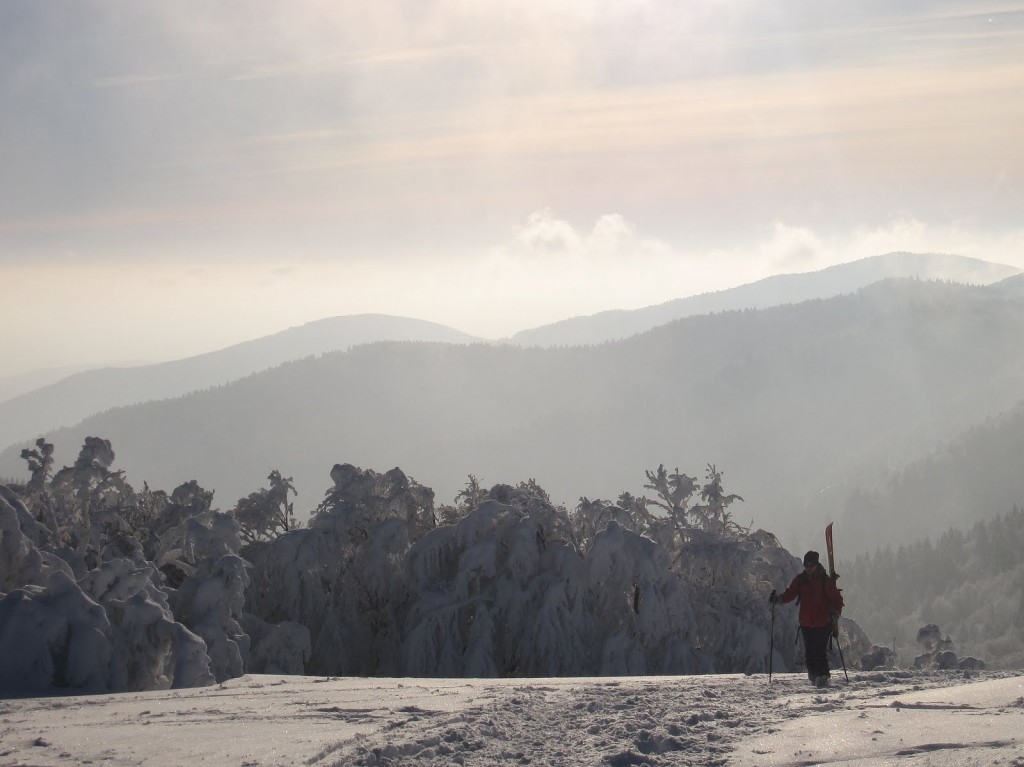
(913, 719)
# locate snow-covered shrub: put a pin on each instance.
(498, 594)
(939, 652)
(944, 660)
(54, 637)
(376, 590)
(20, 562)
(343, 577)
(729, 579)
(504, 592)
(511, 585)
(210, 603)
(292, 579)
(642, 614)
(591, 517)
(28, 526)
(283, 648)
(854, 641)
(187, 500)
(153, 650)
(267, 513)
(92, 503)
(121, 578)
(877, 657)
(112, 629)
(361, 499)
(197, 535)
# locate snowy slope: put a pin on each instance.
(913, 719)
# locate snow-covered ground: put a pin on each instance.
(914, 719)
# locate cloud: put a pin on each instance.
(549, 241)
(792, 248)
(544, 235)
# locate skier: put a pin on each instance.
(820, 605)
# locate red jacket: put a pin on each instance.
(819, 597)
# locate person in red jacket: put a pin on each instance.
(820, 605)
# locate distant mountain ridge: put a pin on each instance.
(789, 402)
(771, 291)
(1012, 285)
(77, 396)
(22, 383)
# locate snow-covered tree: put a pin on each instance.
(730, 579)
(292, 580)
(110, 631)
(343, 576)
(76, 567)
(641, 610)
(498, 594)
(206, 537)
(466, 500)
(282, 648)
(21, 562)
(135, 591)
(54, 637)
(590, 517)
(151, 649)
(267, 513)
(210, 603)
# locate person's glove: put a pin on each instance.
(773, 598)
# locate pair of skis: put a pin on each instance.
(833, 618)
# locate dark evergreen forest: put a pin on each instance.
(970, 584)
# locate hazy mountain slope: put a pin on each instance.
(16, 385)
(787, 401)
(773, 291)
(68, 401)
(1012, 285)
(979, 471)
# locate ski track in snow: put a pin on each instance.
(612, 723)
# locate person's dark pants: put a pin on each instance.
(815, 650)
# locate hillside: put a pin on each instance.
(787, 401)
(22, 383)
(65, 401)
(967, 580)
(773, 291)
(973, 476)
(71, 399)
(1012, 285)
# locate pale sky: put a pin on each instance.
(177, 176)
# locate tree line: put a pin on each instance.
(970, 584)
(138, 589)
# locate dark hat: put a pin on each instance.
(810, 558)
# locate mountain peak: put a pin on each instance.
(770, 291)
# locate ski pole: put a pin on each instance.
(842, 660)
(771, 646)
(835, 633)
